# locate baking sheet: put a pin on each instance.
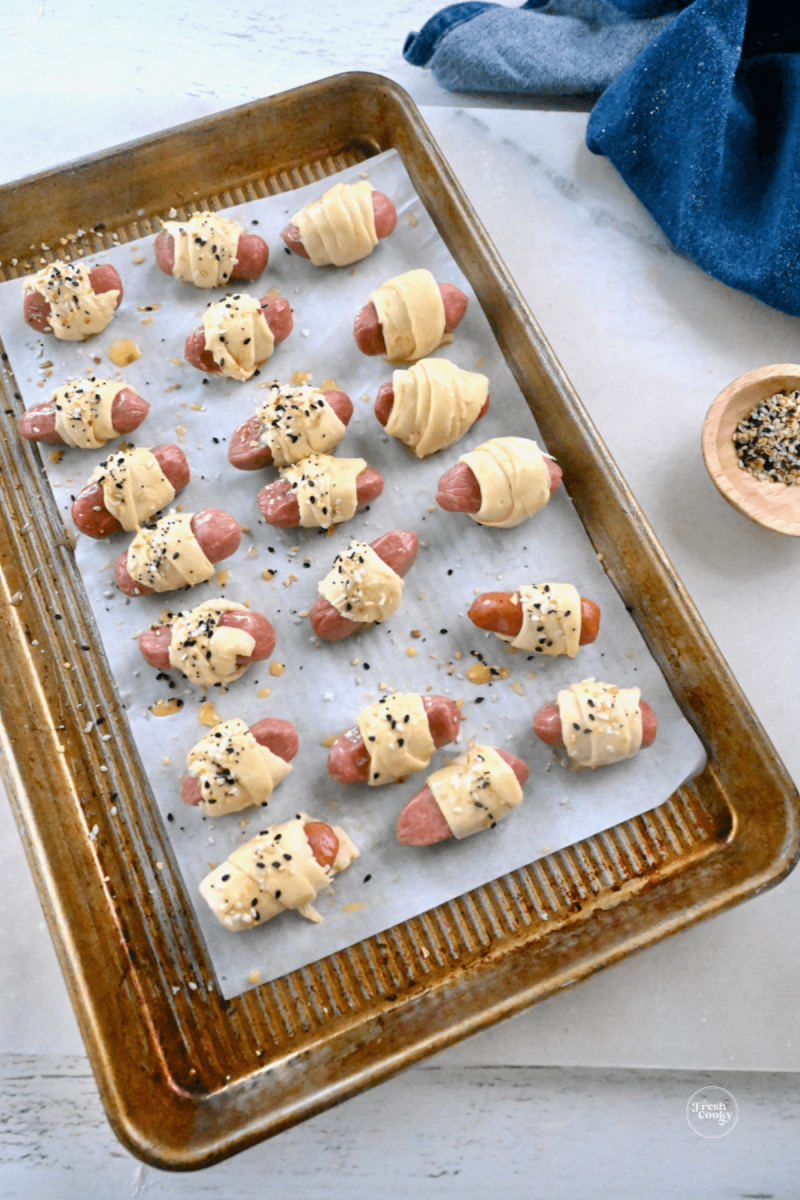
(322, 687)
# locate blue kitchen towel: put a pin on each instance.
(704, 127)
(546, 47)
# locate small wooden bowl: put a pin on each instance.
(774, 505)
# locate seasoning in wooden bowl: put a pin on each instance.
(750, 446)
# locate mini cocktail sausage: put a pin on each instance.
(598, 723)
(285, 867)
(90, 511)
(234, 767)
(329, 620)
(211, 644)
(234, 340)
(548, 619)
(466, 793)
(350, 757)
(210, 249)
(500, 483)
(72, 300)
(180, 550)
(251, 443)
(73, 415)
(342, 226)
(302, 497)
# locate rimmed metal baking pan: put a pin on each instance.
(188, 1078)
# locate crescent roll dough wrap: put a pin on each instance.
(134, 486)
(272, 873)
(513, 478)
(325, 488)
(83, 412)
(76, 310)
(339, 227)
(600, 723)
(397, 736)
(551, 620)
(205, 249)
(411, 314)
(298, 421)
(237, 335)
(167, 555)
(361, 586)
(206, 651)
(475, 791)
(233, 770)
(435, 403)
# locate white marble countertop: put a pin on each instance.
(648, 341)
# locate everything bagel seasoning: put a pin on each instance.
(768, 439)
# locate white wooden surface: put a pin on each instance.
(434, 1132)
(640, 332)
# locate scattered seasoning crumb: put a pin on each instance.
(518, 688)
(166, 761)
(138, 259)
(412, 220)
(457, 654)
(356, 906)
(415, 633)
(222, 578)
(264, 693)
(482, 673)
(56, 456)
(197, 408)
(600, 557)
(254, 977)
(252, 552)
(266, 574)
(124, 352)
(159, 866)
(166, 708)
(276, 668)
(208, 715)
(328, 741)
(411, 652)
(366, 398)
